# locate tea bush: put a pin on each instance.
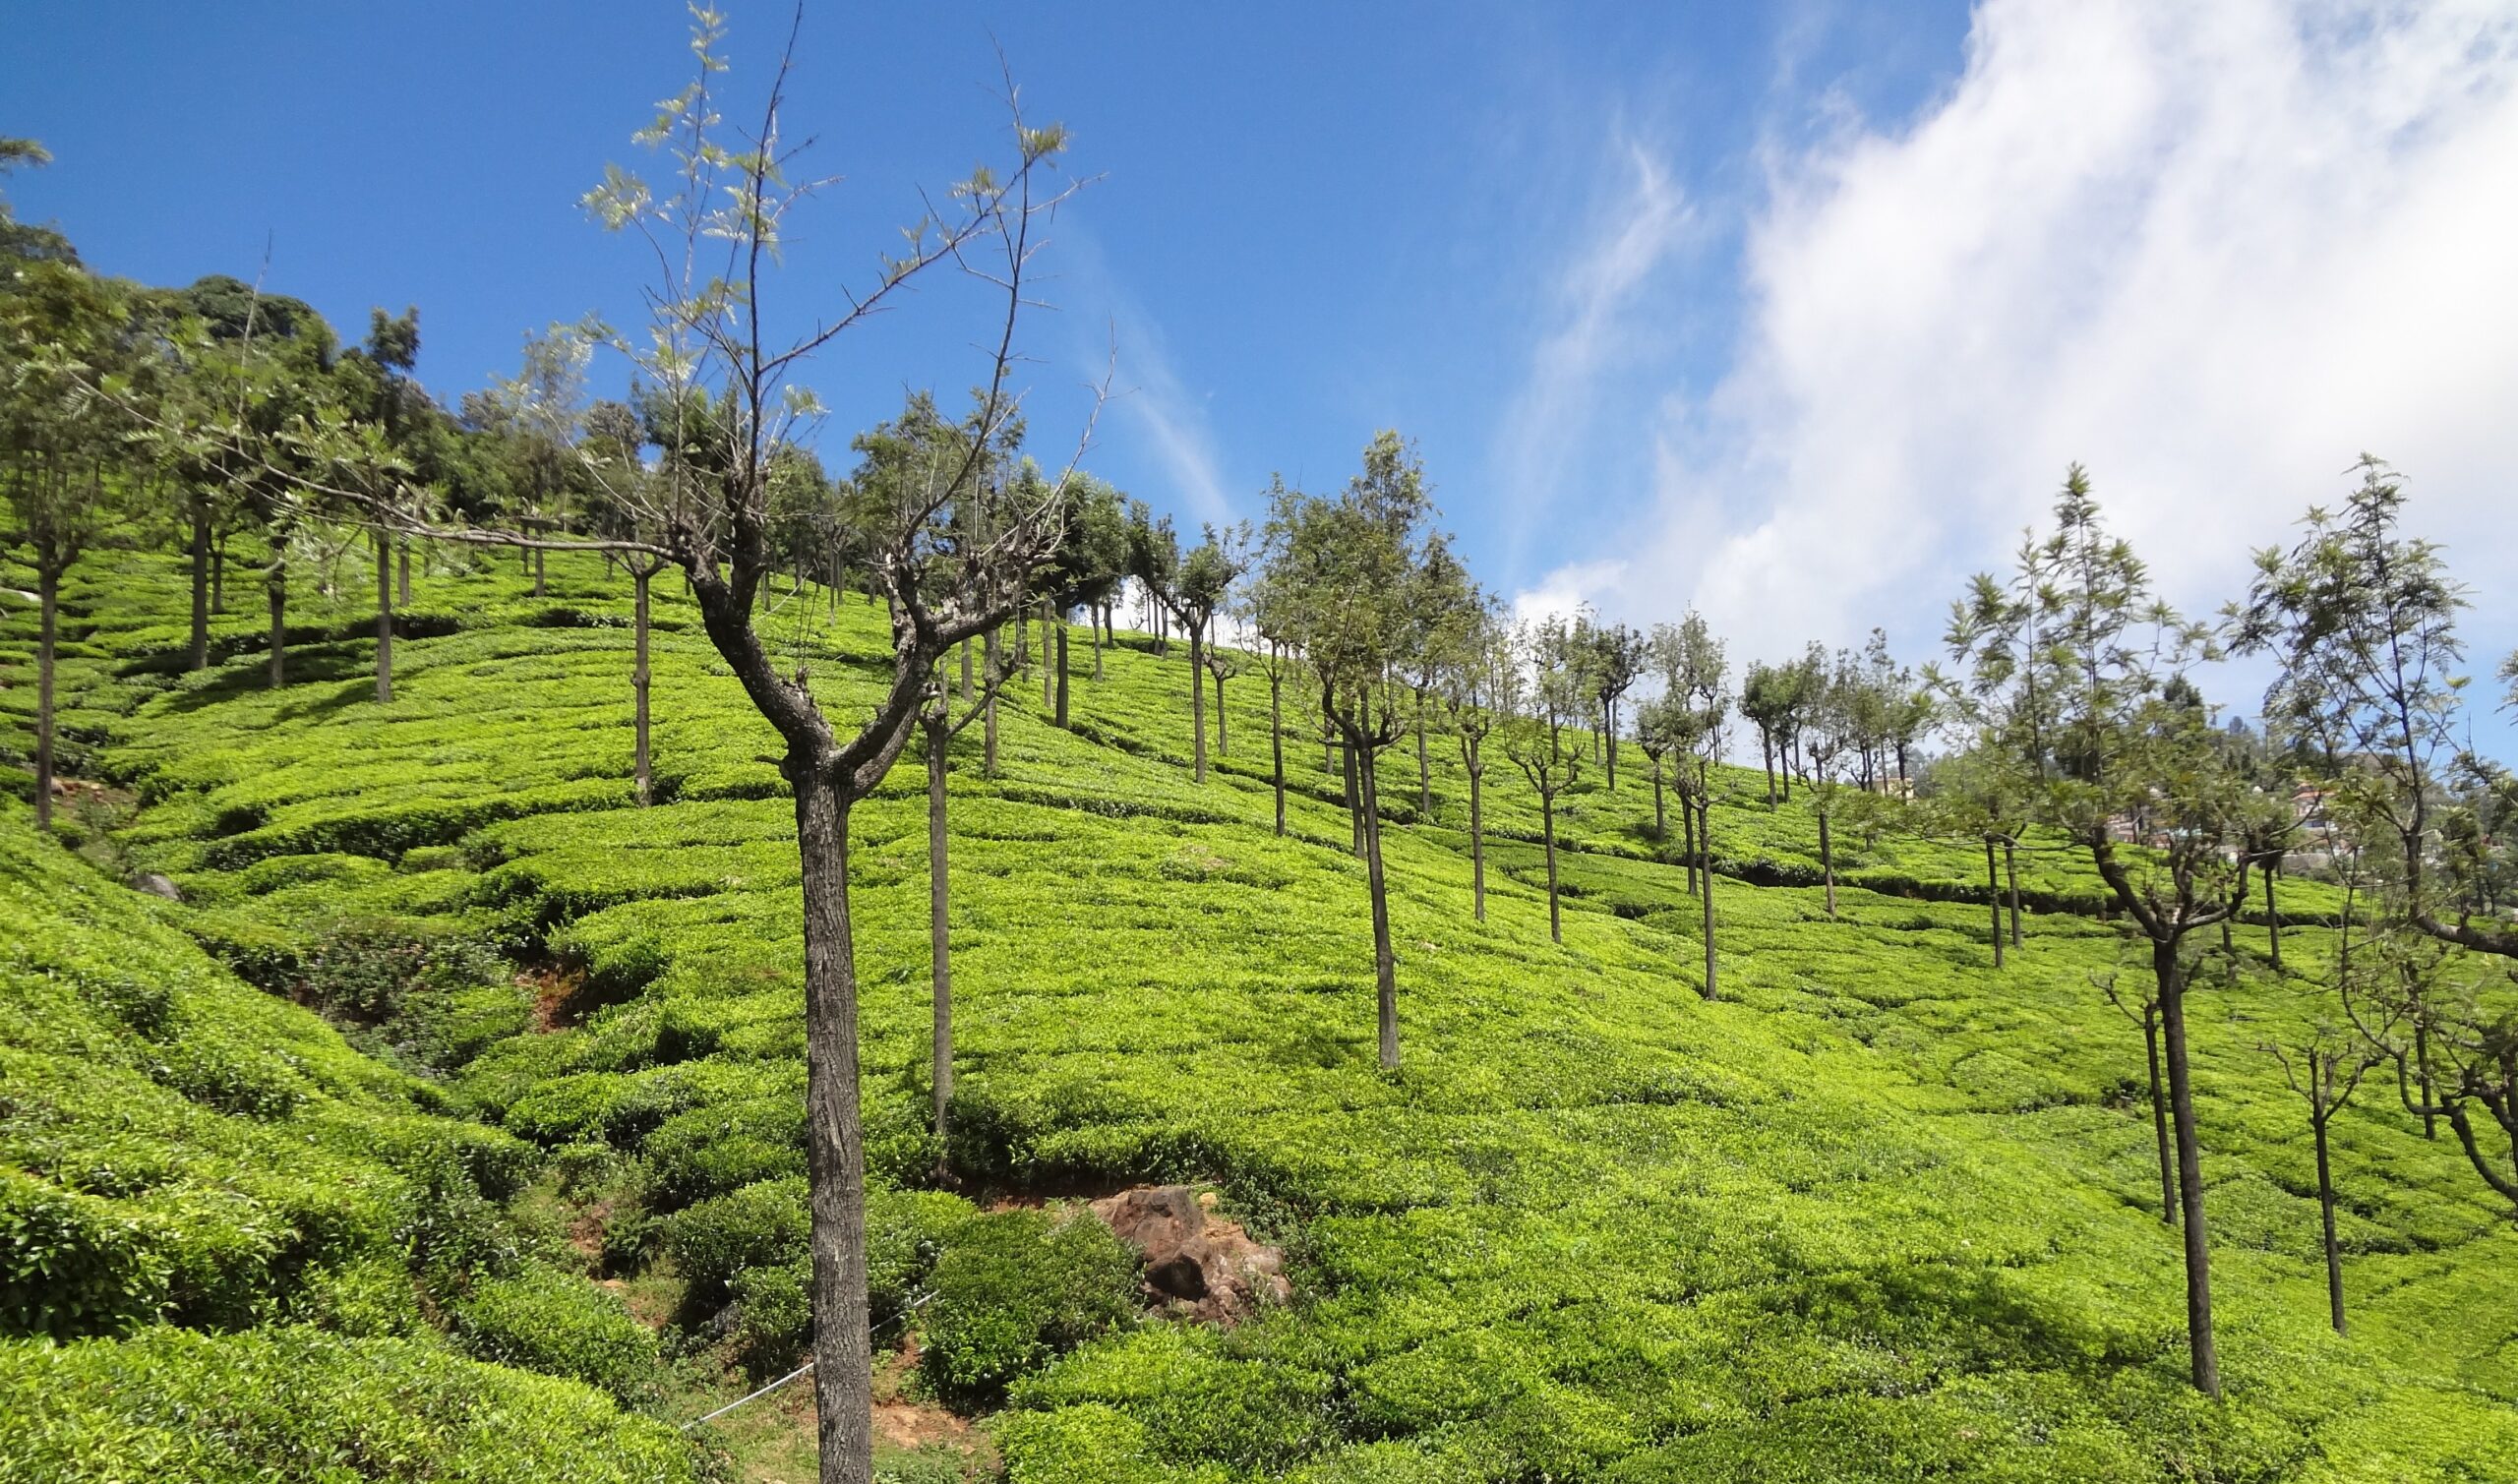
(1013, 1289)
(298, 1403)
(559, 1324)
(1881, 1212)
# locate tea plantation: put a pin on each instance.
(528, 1191)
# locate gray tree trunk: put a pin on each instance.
(1704, 833)
(1198, 699)
(199, 658)
(1385, 962)
(1687, 824)
(2159, 1116)
(2326, 1208)
(1827, 861)
(1993, 899)
(47, 640)
(1547, 833)
(639, 680)
(2011, 868)
(2190, 1170)
(2273, 924)
(834, 1139)
(384, 618)
(1477, 839)
(1277, 747)
(1060, 716)
(938, 933)
(275, 595)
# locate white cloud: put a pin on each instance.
(1640, 223)
(1128, 346)
(1173, 422)
(1568, 590)
(2213, 252)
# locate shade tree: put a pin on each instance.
(1345, 569)
(715, 228)
(1479, 679)
(2134, 776)
(2361, 619)
(1558, 694)
(68, 366)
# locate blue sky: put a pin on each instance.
(1795, 312)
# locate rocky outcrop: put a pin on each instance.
(1195, 1263)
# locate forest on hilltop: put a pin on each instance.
(532, 925)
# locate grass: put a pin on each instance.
(1881, 1213)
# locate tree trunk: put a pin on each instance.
(1661, 811)
(1385, 963)
(1547, 818)
(2421, 1070)
(939, 934)
(1198, 699)
(2159, 1116)
(2011, 868)
(1049, 659)
(1704, 833)
(1276, 747)
(2273, 932)
(276, 593)
(988, 716)
(218, 574)
(2326, 1208)
(1993, 896)
(639, 680)
(2189, 1171)
(1608, 729)
(384, 618)
(1223, 749)
(1826, 861)
(199, 658)
(1766, 749)
(47, 640)
(1687, 824)
(1425, 768)
(1060, 716)
(402, 572)
(1354, 797)
(1476, 840)
(834, 1139)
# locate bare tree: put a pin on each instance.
(1480, 679)
(1347, 570)
(733, 402)
(65, 359)
(2326, 1072)
(1535, 741)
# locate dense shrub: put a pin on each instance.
(1016, 1288)
(295, 1403)
(71, 1263)
(546, 1319)
(758, 1227)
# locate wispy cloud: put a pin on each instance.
(1150, 401)
(2212, 252)
(1639, 220)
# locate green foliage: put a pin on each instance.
(559, 1322)
(1879, 1199)
(1015, 1288)
(298, 1403)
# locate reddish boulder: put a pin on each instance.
(1208, 1268)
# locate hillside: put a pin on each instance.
(1881, 1212)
